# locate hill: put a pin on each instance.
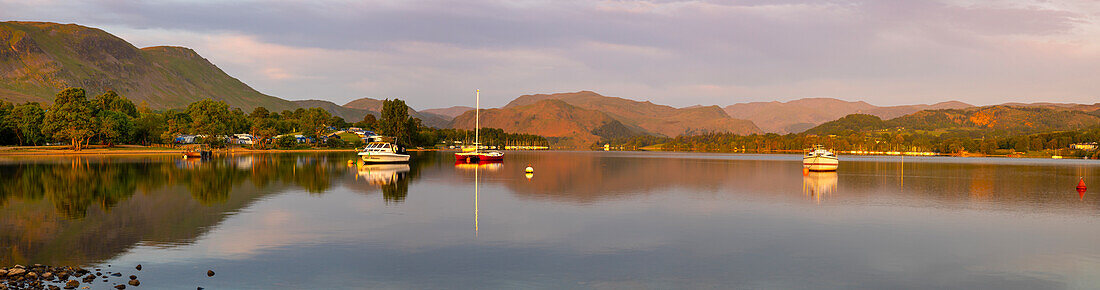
(799, 115)
(38, 59)
(1019, 120)
(566, 125)
(375, 106)
(451, 112)
(647, 117)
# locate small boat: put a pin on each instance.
(196, 151)
(819, 159)
(383, 152)
(475, 153)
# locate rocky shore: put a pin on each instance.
(39, 276)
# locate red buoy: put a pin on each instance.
(1081, 185)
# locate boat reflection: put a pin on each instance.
(817, 185)
(488, 166)
(382, 174)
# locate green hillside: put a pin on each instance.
(39, 59)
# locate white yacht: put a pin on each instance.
(819, 159)
(383, 152)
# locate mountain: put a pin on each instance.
(566, 125)
(38, 59)
(350, 115)
(374, 105)
(799, 115)
(451, 112)
(1000, 117)
(646, 117)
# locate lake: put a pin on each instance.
(582, 220)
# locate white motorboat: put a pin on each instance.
(819, 159)
(383, 152)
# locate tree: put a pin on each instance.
(148, 127)
(369, 122)
(7, 123)
(314, 122)
(111, 101)
(176, 123)
(262, 126)
(395, 121)
(70, 118)
(27, 119)
(209, 117)
(114, 127)
(28, 122)
(114, 117)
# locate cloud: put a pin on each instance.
(674, 52)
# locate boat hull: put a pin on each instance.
(384, 158)
(820, 163)
(478, 157)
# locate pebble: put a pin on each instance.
(117, 274)
(72, 284)
(209, 273)
(134, 282)
(16, 271)
(138, 267)
(132, 277)
(120, 286)
(52, 287)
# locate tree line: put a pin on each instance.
(989, 142)
(109, 119)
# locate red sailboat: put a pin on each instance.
(475, 153)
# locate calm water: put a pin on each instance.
(583, 220)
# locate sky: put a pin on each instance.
(434, 54)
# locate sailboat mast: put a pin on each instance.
(477, 122)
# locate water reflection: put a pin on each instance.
(819, 185)
(75, 210)
(589, 211)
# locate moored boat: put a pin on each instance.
(196, 151)
(383, 152)
(820, 159)
(475, 152)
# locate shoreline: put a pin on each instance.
(141, 150)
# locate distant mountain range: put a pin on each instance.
(649, 118)
(1015, 119)
(38, 59)
(798, 115)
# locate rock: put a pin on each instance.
(18, 266)
(89, 279)
(209, 273)
(132, 277)
(134, 282)
(3, 272)
(138, 267)
(31, 275)
(47, 276)
(19, 271)
(117, 274)
(200, 288)
(52, 287)
(72, 284)
(120, 286)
